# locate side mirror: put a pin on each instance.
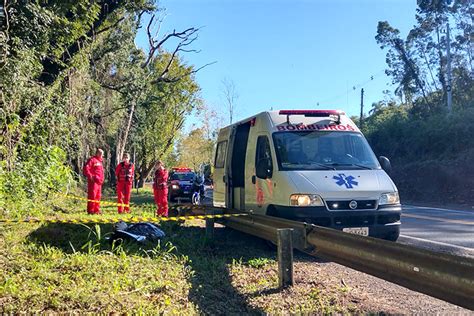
(385, 163)
(264, 170)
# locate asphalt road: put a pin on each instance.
(438, 229)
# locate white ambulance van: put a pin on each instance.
(306, 165)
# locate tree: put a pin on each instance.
(404, 69)
(72, 79)
(230, 97)
(418, 64)
(161, 114)
(195, 149)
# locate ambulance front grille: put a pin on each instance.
(344, 205)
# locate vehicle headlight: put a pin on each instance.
(306, 200)
(174, 187)
(389, 198)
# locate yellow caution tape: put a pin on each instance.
(116, 220)
(73, 197)
(181, 207)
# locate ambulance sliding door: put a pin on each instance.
(235, 171)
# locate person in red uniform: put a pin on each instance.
(94, 171)
(160, 189)
(124, 173)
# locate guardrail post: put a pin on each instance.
(285, 258)
(210, 225)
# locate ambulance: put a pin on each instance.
(306, 165)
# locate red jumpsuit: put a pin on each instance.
(94, 171)
(124, 173)
(160, 191)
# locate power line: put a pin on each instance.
(354, 88)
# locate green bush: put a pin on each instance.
(394, 133)
(430, 154)
(37, 171)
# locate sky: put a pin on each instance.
(284, 54)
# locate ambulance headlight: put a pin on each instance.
(306, 200)
(174, 187)
(389, 198)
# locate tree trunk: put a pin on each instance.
(123, 135)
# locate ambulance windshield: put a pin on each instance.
(305, 150)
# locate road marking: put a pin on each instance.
(439, 209)
(470, 250)
(452, 221)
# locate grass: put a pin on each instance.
(74, 268)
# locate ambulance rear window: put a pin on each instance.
(220, 154)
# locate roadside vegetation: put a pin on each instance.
(72, 79)
(430, 147)
(74, 268)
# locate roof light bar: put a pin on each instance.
(313, 113)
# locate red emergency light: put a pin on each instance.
(313, 113)
(181, 169)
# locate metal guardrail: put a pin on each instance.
(444, 276)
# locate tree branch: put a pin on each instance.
(185, 36)
(114, 88)
(109, 27)
(176, 79)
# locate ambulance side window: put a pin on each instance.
(220, 154)
(263, 152)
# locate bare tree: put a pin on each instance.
(184, 39)
(230, 97)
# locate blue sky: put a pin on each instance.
(289, 54)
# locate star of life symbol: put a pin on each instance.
(348, 181)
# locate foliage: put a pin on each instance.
(429, 147)
(195, 149)
(71, 80)
(418, 64)
(38, 169)
(161, 114)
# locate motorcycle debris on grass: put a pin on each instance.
(140, 233)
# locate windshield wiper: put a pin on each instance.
(350, 164)
(326, 167)
(323, 165)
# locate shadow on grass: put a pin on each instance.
(211, 284)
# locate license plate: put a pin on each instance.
(362, 231)
(186, 192)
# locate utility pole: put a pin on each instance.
(361, 107)
(448, 55)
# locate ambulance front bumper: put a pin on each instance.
(383, 222)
